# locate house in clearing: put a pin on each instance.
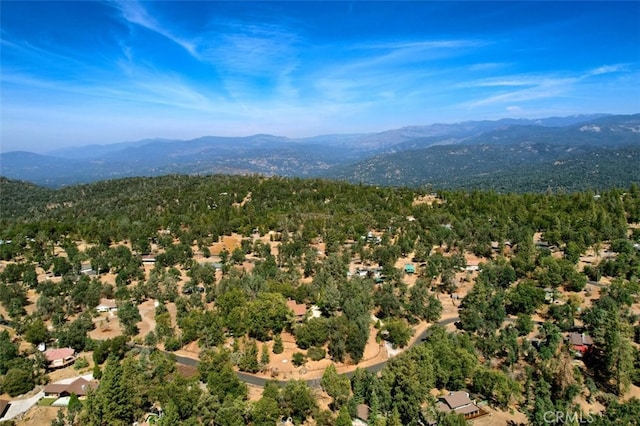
(460, 403)
(58, 358)
(215, 265)
(471, 267)
(580, 342)
(86, 269)
(299, 310)
(80, 387)
(107, 305)
(362, 415)
(409, 268)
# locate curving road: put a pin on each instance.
(375, 368)
(260, 381)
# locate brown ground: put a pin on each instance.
(426, 199)
(147, 312)
(497, 417)
(38, 416)
(107, 326)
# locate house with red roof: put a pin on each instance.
(58, 358)
(299, 310)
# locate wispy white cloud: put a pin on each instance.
(384, 71)
(134, 13)
(401, 53)
(250, 59)
(534, 87)
(606, 69)
(545, 88)
(417, 45)
(145, 88)
(250, 48)
(504, 81)
(487, 66)
(53, 57)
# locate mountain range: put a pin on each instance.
(571, 153)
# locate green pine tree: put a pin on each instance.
(344, 418)
(170, 415)
(278, 347)
(111, 403)
(264, 356)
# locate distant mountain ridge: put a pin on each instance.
(474, 153)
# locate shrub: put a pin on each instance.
(298, 359)
(97, 372)
(172, 344)
(278, 347)
(316, 353)
(17, 382)
(80, 363)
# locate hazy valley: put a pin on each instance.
(571, 153)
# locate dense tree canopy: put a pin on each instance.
(57, 247)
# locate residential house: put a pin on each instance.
(299, 310)
(80, 387)
(362, 415)
(148, 259)
(460, 403)
(86, 269)
(107, 305)
(409, 268)
(580, 342)
(471, 267)
(58, 358)
(215, 265)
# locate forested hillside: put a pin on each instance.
(584, 153)
(522, 167)
(415, 294)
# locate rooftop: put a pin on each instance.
(55, 354)
(580, 339)
(108, 303)
(298, 309)
(457, 399)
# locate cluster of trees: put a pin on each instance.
(531, 244)
(138, 383)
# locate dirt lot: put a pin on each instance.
(498, 417)
(38, 416)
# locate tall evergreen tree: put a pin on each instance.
(111, 404)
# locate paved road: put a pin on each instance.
(20, 406)
(597, 284)
(261, 382)
(375, 368)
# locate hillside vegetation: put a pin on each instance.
(516, 272)
(580, 153)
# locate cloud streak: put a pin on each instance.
(534, 87)
(134, 13)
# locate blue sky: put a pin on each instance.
(80, 72)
